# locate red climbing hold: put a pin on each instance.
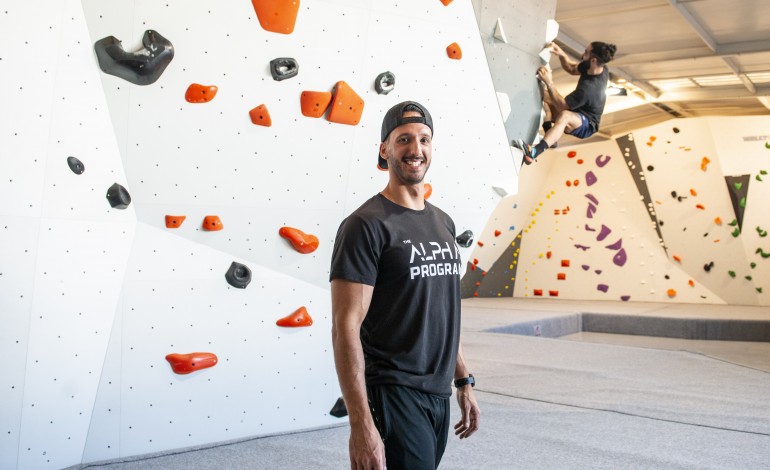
(497, 233)
(186, 363)
(571, 154)
(453, 51)
(565, 263)
(347, 107)
(553, 293)
(302, 242)
(480, 243)
(212, 223)
(561, 276)
(200, 93)
(277, 16)
(174, 221)
(261, 116)
(300, 317)
(538, 292)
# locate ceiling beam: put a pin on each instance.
(695, 24)
(714, 93)
(765, 101)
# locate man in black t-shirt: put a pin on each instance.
(579, 112)
(395, 284)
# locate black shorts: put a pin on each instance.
(414, 426)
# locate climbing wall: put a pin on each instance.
(667, 213)
(167, 286)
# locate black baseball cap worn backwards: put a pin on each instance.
(395, 117)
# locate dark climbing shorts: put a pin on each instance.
(585, 130)
(413, 425)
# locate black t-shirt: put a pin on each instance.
(590, 94)
(411, 333)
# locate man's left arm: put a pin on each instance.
(469, 422)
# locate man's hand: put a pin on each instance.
(555, 49)
(469, 423)
(367, 452)
(544, 74)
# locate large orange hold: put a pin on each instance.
(277, 16)
(300, 317)
(446, 2)
(301, 241)
(427, 191)
(174, 221)
(453, 51)
(347, 107)
(197, 93)
(212, 223)
(186, 363)
(261, 116)
(315, 103)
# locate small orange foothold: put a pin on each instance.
(718, 220)
(569, 183)
(671, 293)
(571, 154)
(475, 261)
(483, 273)
(700, 206)
(446, 2)
(691, 283)
(299, 317)
(561, 276)
(553, 293)
(548, 254)
(261, 116)
(186, 363)
(200, 93)
(704, 163)
(576, 182)
(453, 51)
(538, 292)
(692, 192)
(347, 107)
(212, 223)
(478, 284)
(473, 267)
(315, 103)
(302, 242)
(475, 294)
(427, 190)
(677, 258)
(174, 221)
(579, 161)
(497, 233)
(480, 243)
(276, 16)
(565, 263)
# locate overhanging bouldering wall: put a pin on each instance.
(166, 286)
(672, 213)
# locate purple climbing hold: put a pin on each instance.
(603, 287)
(586, 267)
(590, 178)
(592, 198)
(591, 211)
(602, 160)
(620, 257)
(582, 247)
(603, 233)
(616, 246)
(625, 298)
(598, 271)
(589, 229)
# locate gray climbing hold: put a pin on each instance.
(385, 83)
(283, 68)
(465, 239)
(142, 67)
(118, 197)
(238, 275)
(76, 165)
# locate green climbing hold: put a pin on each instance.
(748, 278)
(738, 185)
(762, 253)
(767, 145)
(736, 232)
(762, 233)
(731, 273)
(753, 265)
(759, 289)
(733, 223)
(742, 203)
(758, 178)
(763, 172)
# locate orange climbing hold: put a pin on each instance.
(553, 293)
(671, 293)
(691, 283)
(212, 223)
(475, 261)
(569, 183)
(548, 254)
(677, 258)
(478, 284)
(718, 220)
(302, 242)
(174, 221)
(561, 276)
(700, 206)
(480, 243)
(315, 103)
(347, 107)
(538, 292)
(571, 154)
(446, 2)
(453, 51)
(200, 93)
(277, 16)
(428, 190)
(692, 192)
(299, 317)
(704, 163)
(186, 363)
(261, 116)
(497, 233)
(565, 263)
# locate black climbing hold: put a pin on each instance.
(76, 165)
(667, 277)
(650, 167)
(142, 67)
(118, 196)
(676, 130)
(385, 83)
(707, 267)
(465, 239)
(339, 410)
(238, 275)
(283, 68)
(673, 194)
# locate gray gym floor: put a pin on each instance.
(583, 400)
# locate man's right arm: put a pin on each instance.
(569, 65)
(350, 302)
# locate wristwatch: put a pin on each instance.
(465, 381)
